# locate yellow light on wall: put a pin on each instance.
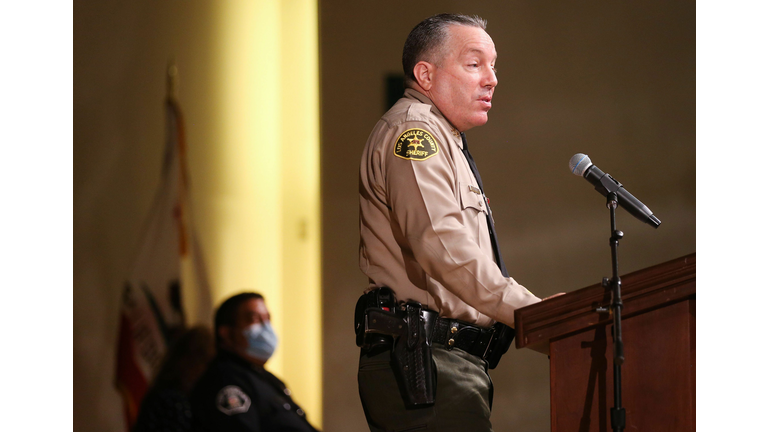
(266, 214)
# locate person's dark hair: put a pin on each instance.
(226, 315)
(427, 38)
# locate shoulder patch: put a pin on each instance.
(232, 400)
(416, 144)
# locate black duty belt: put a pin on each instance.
(452, 333)
(379, 318)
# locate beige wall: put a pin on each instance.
(615, 80)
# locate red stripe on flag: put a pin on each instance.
(130, 381)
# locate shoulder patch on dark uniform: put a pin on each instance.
(416, 144)
(232, 400)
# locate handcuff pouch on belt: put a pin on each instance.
(381, 321)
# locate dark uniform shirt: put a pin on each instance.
(235, 395)
(164, 409)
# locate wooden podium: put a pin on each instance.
(659, 332)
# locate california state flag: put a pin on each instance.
(167, 277)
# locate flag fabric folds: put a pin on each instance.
(152, 309)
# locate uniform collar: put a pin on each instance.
(228, 356)
(233, 357)
(421, 97)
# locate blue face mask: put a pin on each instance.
(262, 340)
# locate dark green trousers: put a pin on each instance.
(462, 403)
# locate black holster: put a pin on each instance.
(502, 338)
(380, 321)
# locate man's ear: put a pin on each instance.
(424, 73)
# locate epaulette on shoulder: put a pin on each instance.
(418, 112)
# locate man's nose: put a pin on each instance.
(490, 80)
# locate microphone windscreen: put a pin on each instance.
(579, 163)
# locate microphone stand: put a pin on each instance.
(618, 414)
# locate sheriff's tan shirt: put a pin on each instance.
(423, 228)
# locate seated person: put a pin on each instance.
(236, 393)
(166, 407)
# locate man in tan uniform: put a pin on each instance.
(426, 229)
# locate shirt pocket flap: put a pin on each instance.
(471, 197)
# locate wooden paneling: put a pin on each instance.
(652, 287)
(657, 346)
(659, 333)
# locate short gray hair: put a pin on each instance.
(426, 39)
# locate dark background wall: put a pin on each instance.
(614, 80)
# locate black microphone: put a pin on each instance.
(581, 165)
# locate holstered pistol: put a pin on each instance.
(411, 354)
